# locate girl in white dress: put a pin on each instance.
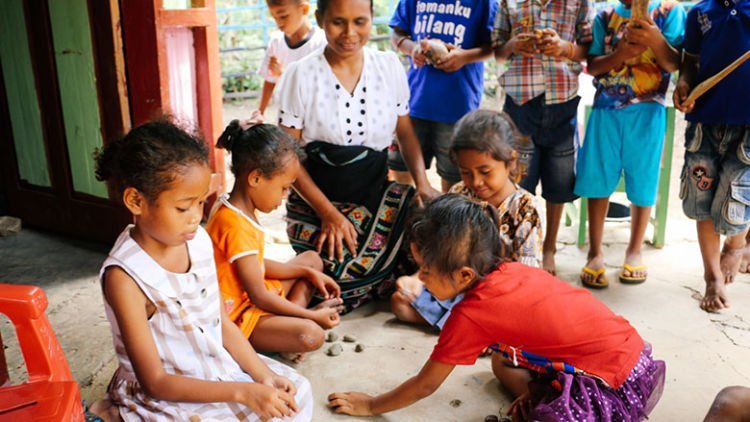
(180, 357)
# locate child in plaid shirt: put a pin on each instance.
(544, 43)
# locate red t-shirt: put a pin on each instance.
(532, 311)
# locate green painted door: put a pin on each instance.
(51, 99)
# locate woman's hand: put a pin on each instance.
(328, 288)
(266, 401)
(355, 404)
(327, 318)
(335, 231)
(425, 194)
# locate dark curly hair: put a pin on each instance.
(263, 147)
(149, 157)
(454, 231)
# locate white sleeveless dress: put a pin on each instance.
(187, 331)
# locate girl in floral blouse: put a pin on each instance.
(484, 147)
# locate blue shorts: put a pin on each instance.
(435, 138)
(715, 179)
(434, 311)
(627, 140)
(552, 129)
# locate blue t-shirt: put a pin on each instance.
(640, 79)
(719, 30)
(437, 95)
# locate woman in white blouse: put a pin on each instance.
(344, 103)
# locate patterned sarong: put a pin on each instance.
(369, 273)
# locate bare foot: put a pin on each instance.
(595, 263)
(293, 357)
(730, 262)
(745, 264)
(548, 262)
(715, 298)
(336, 302)
(634, 260)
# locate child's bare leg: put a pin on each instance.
(597, 209)
(715, 297)
(290, 336)
(549, 248)
(732, 404)
(408, 288)
(512, 378)
(731, 255)
(638, 225)
(745, 265)
(302, 293)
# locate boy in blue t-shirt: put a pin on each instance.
(631, 60)
(715, 184)
(442, 91)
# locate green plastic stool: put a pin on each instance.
(578, 210)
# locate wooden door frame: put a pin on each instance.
(59, 207)
(144, 25)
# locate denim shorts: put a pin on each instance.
(552, 128)
(715, 179)
(435, 138)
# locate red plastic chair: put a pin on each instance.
(50, 394)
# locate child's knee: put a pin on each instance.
(400, 304)
(310, 336)
(730, 404)
(312, 259)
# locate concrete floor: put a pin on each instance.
(704, 352)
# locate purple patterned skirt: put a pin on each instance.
(586, 399)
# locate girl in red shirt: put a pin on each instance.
(562, 353)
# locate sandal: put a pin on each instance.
(600, 278)
(631, 269)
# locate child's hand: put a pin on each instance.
(266, 401)
(643, 32)
(523, 44)
(355, 404)
(681, 92)
(550, 44)
(453, 61)
(521, 407)
(327, 318)
(417, 56)
(409, 286)
(628, 50)
(274, 66)
(281, 383)
(324, 284)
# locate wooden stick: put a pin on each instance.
(709, 83)
(639, 9)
